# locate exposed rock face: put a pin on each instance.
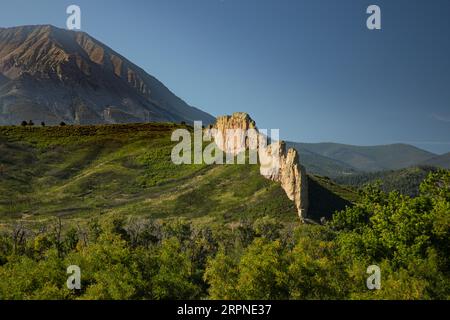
(295, 181)
(52, 75)
(236, 142)
(270, 158)
(276, 163)
(284, 167)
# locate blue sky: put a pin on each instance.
(308, 67)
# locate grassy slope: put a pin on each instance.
(77, 172)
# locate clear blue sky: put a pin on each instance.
(308, 67)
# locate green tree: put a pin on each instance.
(221, 274)
(23, 278)
(108, 269)
(262, 271)
(174, 277)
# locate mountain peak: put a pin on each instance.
(51, 74)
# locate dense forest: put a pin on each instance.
(134, 258)
(406, 181)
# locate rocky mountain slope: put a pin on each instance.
(52, 75)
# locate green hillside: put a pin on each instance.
(80, 171)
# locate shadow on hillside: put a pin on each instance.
(323, 202)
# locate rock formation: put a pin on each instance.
(276, 163)
(283, 166)
(240, 123)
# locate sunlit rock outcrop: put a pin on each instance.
(237, 133)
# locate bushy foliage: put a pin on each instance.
(408, 238)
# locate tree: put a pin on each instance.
(315, 270)
(62, 124)
(262, 272)
(24, 123)
(174, 278)
(268, 228)
(31, 123)
(405, 235)
(221, 274)
(108, 270)
(43, 279)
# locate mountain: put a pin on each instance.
(52, 75)
(442, 161)
(358, 158)
(320, 165)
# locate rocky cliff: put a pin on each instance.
(235, 134)
(241, 124)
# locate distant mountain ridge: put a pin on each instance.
(50, 74)
(442, 161)
(321, 165)
(334, 159)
